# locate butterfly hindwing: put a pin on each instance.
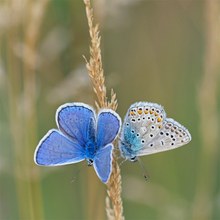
(172, 135)
(103, 163)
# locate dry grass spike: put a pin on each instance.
(96, 73)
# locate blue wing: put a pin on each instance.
(77, 120)
(55, 149)
(103, 163)
(108, 126)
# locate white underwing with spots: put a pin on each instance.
(147, 130)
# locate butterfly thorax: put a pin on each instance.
(130, 143)
(127, 151)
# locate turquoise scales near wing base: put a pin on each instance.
(146, 130)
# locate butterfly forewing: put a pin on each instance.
(146, 119)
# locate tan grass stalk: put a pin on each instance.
(209, 127)
(96, 73)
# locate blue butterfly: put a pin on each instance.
(146, 130)
(81, 136)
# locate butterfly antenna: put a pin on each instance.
(144, 170)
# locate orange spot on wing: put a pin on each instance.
(159, 119)
(140, 112)
(132, 113)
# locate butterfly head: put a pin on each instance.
(133, 159)
(89, 162)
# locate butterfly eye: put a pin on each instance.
(89, 162)
(133, 159)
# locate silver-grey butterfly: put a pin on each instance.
(147, 130)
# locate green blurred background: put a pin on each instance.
(163, 51)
